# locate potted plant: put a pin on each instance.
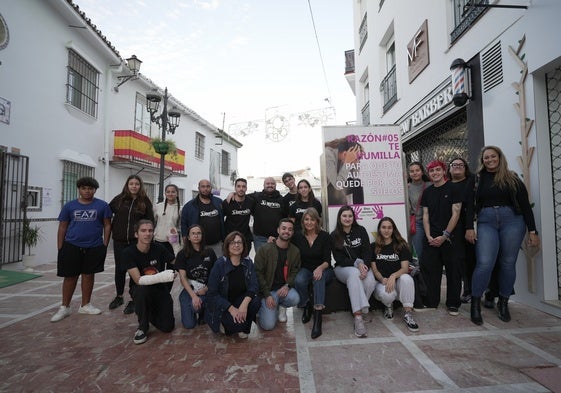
(30, 236)
(163, 147)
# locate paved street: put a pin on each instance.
(85, 353)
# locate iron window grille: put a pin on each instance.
(199, 146)
(82, 85)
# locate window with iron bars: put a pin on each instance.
(388, 87)
(465, 16)
(199, 146)
(82, 84)
(225, 163)
(71, 172)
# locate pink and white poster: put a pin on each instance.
(362, 167)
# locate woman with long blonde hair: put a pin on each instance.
(504, 214)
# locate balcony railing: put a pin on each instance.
(130, 146)
(388, 87)
(363, 31)
(349, 61)
(366, 114)
(465, 16)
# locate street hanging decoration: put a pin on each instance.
(279, 120)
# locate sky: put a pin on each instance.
(240, 61)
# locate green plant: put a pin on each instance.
(30, 235)
(163, 147)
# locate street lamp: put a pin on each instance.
(133, 64)
(167, 122)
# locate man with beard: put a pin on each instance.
(238, 210)
(206, 210)
(277, 265)
(269, 209)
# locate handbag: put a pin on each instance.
(413, 217)
(412, 224)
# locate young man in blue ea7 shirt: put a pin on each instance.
(83, 233)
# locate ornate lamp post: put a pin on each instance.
(167, 122)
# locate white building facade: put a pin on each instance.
(62, 118)
(400, 74)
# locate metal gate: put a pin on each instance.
(13, 193)
(444, 142)
(553, 80)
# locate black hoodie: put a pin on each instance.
(269, 209)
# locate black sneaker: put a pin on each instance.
(140, 337)
(118, 301)
(410, 322)
(129, 309)
(388, 312)
(453, 311)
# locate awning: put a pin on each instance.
(80, 158)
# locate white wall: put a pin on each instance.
(539, 23)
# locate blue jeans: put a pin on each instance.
(417, 239)
(268, 316)
(302, 282)
(500, 232)
(259, 241)
(188, 312)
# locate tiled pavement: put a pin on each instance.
(85, 353)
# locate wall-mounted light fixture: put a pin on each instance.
(461, 82)
(133, 64)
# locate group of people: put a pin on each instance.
(472, 225)
(207, 243)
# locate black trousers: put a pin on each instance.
(230, 326)
(153, 304)
(432, 261)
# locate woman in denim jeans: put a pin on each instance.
(503, 215)
(417, 181)
(315, 254)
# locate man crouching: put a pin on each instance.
(146, 263)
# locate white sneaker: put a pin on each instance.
(89, 309)
(62, 313)
(282, 314)
(243, 335)
(360, 329)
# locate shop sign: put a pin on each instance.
(428, 109)
(418, 52)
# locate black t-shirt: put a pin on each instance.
(269, 209)
(439, 201)
(298, 208)
(158, 258)
(388, 261)
(279, 280)
(238, 215)
(209, 219)
(236, 283)
(288, 200)
(196, 266)
(316, 254)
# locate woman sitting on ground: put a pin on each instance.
(232, 301)
(390, 267)
(194, 264)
